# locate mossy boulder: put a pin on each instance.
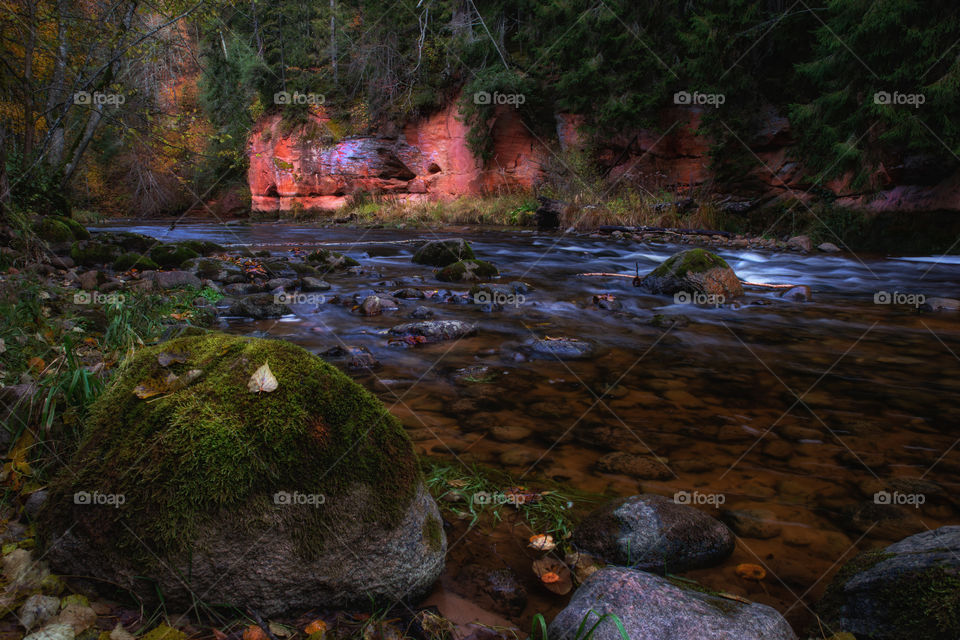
(90, 253)
(693, 271)
(171, 256)
(61, 229)
(213, 269)
(328, 260)
(910, 589)
(202, 247)
(440, 253)
(133, 260)
(309, 495)
(468, 271)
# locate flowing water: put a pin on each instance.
(803, 410)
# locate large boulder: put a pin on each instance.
(654, 608)
(911, 589)
(693, 271)
(440, 253)
(654, 533)
(189, 484)
(468, 271)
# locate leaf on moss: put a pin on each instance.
(167, 358)
(262, 380)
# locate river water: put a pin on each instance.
(803, 411)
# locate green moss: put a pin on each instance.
(78, 230)
(164, 632)
(91, 252)
(440, 253)
(52, 229)
(303, 269)
(172, 256)
(133, 260)
(467, 270)
(202, 247)
(332, 259)
(136, 242)
(180, 457)
(283, 166)
(689, 261)
(433, 533)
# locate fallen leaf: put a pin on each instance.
(262, 380)
(254, 632)
(36, 364)
(553, 574)
(315, 626)
(753, 572)
(167, 358)
(542, 542)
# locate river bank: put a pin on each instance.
(707, 392)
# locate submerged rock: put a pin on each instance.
(653, 608)
(328, 260)
(259, 307)
(435, 330)
(561, 349)
(908, 590)
(304, 496)
(440, 253)
(693, 271)
(631, 464)
(654, 533)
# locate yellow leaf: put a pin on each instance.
(262, 380)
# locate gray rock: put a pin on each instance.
(174, 279)
(631, 464)
(940, 304)
(440, 253)
(654, 533)
(828, 247)
(435, 330)
(908, 590)
(242, 289)
(281, 283)
(89, 280)
(653, 608)
(421, 313)
(561, 349)
(34, 501)
(259, 306)
(800, 293)
(354, 358)
(309, 283)
(800, 243)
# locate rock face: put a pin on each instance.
(308, 495)
(654, 533)
(427, 159)
(908, 590)
(693, 271)
(653, 608)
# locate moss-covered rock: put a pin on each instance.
(212, 268)
(202, 247)
(133, 260)
(328, 260)
(92, 252)
(171, 256)
(52, 229)
(468, 271)
(911, 589)
(693, 271)
(440, 253)
(308, 495)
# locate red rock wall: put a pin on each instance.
(429, 160)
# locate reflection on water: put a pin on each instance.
(818, 415)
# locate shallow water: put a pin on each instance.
(804, 410)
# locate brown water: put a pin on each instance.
(803, 410)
